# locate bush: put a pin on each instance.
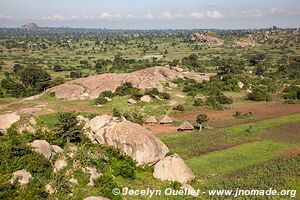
(198, 102)
(259, 95)
(75, 74)
(213, 103)
(126, 89)
(179, 108)
(106, 184)
(132, 115)
(108, 94)
(152, 92)
(68, 127)
(164, 95)
(100, 100)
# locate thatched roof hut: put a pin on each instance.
(186, 126)
(151, 120)
(166, 120)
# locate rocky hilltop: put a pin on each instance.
(91, 87)
(30, 27)
(207, 38)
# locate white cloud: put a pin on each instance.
(196, 15)
(106, 15)
(167, 15)
(149, 16)
(215, 14)
(55, 17)
(5, 17)
(277, 10)
(253, 13)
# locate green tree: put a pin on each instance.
(68, 127)
(202, 118)
(36, 78)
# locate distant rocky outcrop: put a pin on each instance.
(173, 168)
(91, 87)
(207, 38)
(132, 139)
(30, 27)
(245, 43)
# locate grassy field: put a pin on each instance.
(233, 159)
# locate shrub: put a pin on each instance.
(108, 94)
(198, 102)
(213, 103)
(152, 92)
(179, 108)
(164, 95)
(259, 95)
(126, 89)
(75, 74)
(100, 100)
(106, 184)
(68, 127)
(132, 115)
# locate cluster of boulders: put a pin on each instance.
(132, 139)
(137, 142)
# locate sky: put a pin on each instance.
(152, 14)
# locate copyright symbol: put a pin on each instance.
(116, 191)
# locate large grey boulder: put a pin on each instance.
(134, 140)
(173, 168)
(22, 176)
(7, 120)
(98, 122)
(43, 147)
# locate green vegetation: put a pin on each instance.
(235, 158)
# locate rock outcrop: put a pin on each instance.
(207, 38)
(91, 87)
(7, 120)
(43, 147)
(173, 168)
(132, 139)
(22, 176)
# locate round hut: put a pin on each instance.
(166, 120)
(151, 120)
(186, 126)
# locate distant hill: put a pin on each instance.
(30, 27)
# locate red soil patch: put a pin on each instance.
(260, 110)
(158, 129)
(293, 152)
